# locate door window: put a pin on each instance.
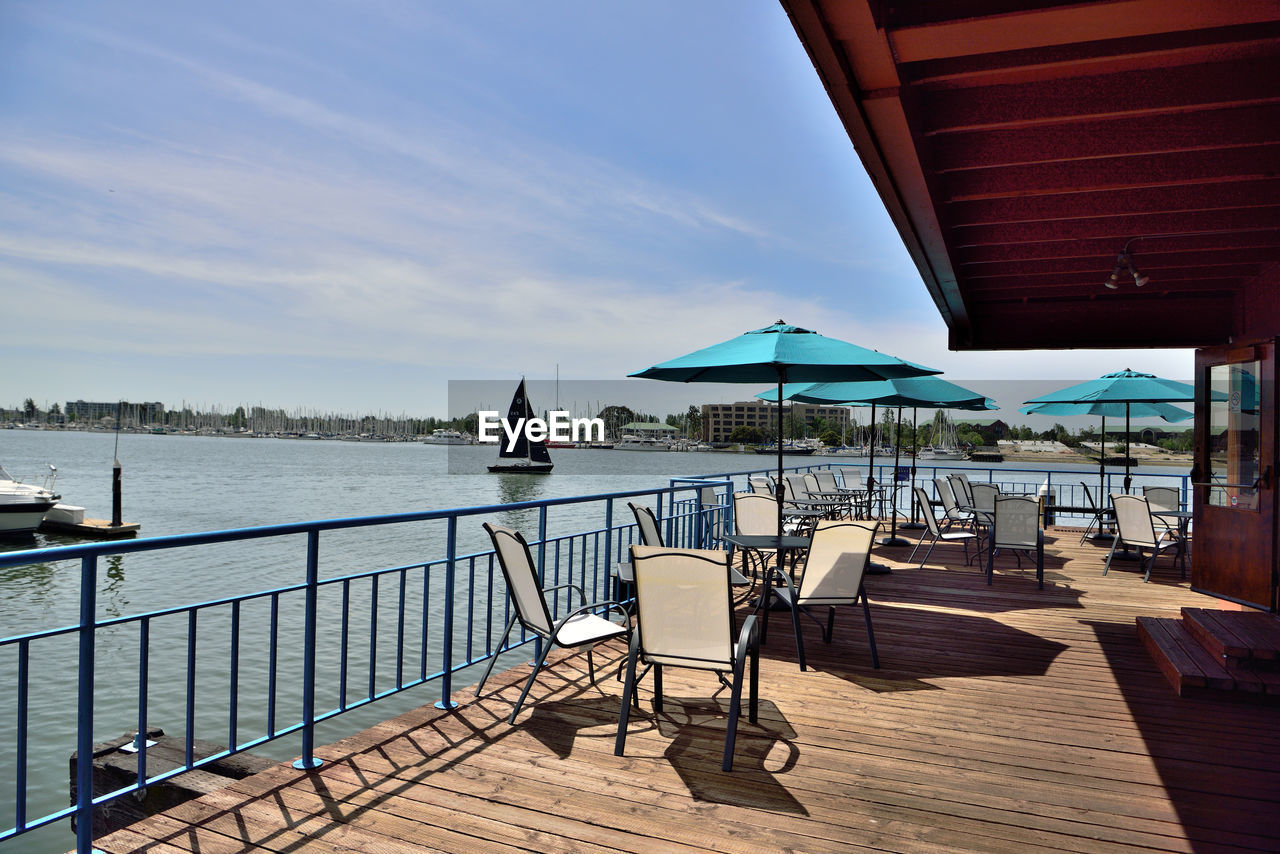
(1235, 396)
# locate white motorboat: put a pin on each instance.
(22, 505)
(443, 436)
(929, 452)
(641, 443)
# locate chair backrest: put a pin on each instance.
(684, 606)
(1163, 497)
(984, 496)
(852, 479)
(1017, 521)
(1088, 496)
(754, 513)
(797, 488)
(926, 510)
(826, 481)
(760, 485)
(522, 579)
(647, 523)
(1133, 519)
(811, 485)
(837, 559)
(707, 498)
(945, 495)
(960, 489)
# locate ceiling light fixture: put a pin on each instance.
(1124, 261)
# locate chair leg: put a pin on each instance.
(1106, 566)
(735, 709)
(831, 624)
(537, 666)
(494, 658)
(871, 632)
(628, 694)
(795, 622)
(657, 688)
(991, 563)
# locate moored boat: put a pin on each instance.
(23, 506)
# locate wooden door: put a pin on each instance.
(1234, 543)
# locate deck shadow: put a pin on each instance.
(916, 645)
(1215, 756)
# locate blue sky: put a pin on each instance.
(341, 206)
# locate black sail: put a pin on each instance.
(516, 414)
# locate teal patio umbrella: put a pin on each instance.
(1106, 410)
(1123, 388)
(927, 392)
(782, 353)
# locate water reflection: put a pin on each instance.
(514, 488)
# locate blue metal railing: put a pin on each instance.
(456, 635)
(455, 604)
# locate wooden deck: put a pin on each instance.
(1003, 719)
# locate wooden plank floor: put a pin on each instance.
(1003, 718)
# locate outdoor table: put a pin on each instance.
(1183, 518)
(769, 542)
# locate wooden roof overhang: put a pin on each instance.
(1019, 146)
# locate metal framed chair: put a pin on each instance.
(1136, 527)
(1163, 498)
(761, 485)
(686, 620)
(933, 530)
(833, 574)
(1102, 516)
(580, 628)
(1015, 526)
(953, 513)
(651, 535)
(961, 490)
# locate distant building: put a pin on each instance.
(649, 429)
(721, 419)
(130, 413)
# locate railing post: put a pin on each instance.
(542, 571)
(308, 761)
(446, 649)
(84, 705)
(608, 545)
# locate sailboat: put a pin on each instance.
(526, 457)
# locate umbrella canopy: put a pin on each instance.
(927, 392)
(1123, 388)
(781, 353)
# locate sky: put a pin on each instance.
(341, 206)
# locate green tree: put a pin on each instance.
(693, 420)
(747, 435)
(29, 409)
(830, 438)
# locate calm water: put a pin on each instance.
(181, 484)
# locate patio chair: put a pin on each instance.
(1163, 498)
(761, 485)
(713, 517)
(686, 620)
(651, 535)
(1135, 527)
(983, 497)
(833, 572)
(835, 504)
(1102, 516)
(1016, 526)
(953, 513)
(933, 530)
(961, 490)
(580, 628)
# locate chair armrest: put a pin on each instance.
(748, 638)
(582, 597)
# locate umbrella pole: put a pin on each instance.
(782, 486)
(1102, 480)
(914, 524)
(1128, 481)
(873, 568)
(893, 539)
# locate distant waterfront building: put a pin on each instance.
(130, 413)
(649, 429)
(721, 419)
